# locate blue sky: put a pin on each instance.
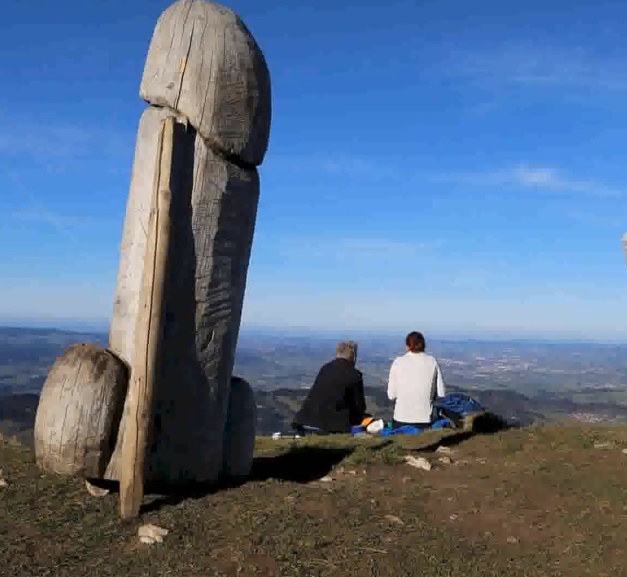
(445, 165)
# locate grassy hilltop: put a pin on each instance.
(536, 501)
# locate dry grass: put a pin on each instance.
(539, 501)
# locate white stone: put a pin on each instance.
(418, 462)
(602, 445)
(150, 534)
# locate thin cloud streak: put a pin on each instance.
(41, 214)
(540, 67)
(354, 250)
(49, 141)
(539, 178)
(337, 164)
(35, 210)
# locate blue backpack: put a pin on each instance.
(456, 406)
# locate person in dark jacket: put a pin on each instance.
(336, 400)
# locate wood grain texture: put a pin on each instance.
(79, 411)
(133, 246)
(239, 431)
(204, 63)
(213, 212)
(138, 409)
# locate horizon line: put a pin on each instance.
(482, 335)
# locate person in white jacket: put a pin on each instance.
(415, 382)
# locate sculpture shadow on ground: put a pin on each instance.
(297, 465)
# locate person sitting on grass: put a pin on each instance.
(415, 382)
(336, 400)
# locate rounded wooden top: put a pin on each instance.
(204, 63)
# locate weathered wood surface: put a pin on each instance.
(133, 246)
(138, 409)
(213, 211)
(204, 63)
(239, 433)
(79, 411)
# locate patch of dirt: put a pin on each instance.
(540, 502)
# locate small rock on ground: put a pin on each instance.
(394, 519)
(325, 479)
(445, 460)
(150, 534)
(444, 450)
(603, 445)
(418, 462)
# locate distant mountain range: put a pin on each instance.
(524, 382)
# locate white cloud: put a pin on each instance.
(32, 209)
(42, 214)
(338, 164)
(55, 142)
(540, 66)
(353, 249)
(570, 314)
(540, 178)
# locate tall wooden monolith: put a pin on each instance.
(190, 219)
(205, 71)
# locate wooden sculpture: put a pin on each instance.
(186, 244)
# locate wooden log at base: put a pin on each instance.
(79, 411)
(239, 435)
(138, 408)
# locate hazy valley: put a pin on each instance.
(522, 381)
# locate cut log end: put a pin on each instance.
(79, 411)
(95, 488)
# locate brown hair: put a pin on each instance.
(415, 342)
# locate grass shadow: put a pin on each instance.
(299, 464)
(484, 424)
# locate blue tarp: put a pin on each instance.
(458, 404)
(411, 430)
(405, 429)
